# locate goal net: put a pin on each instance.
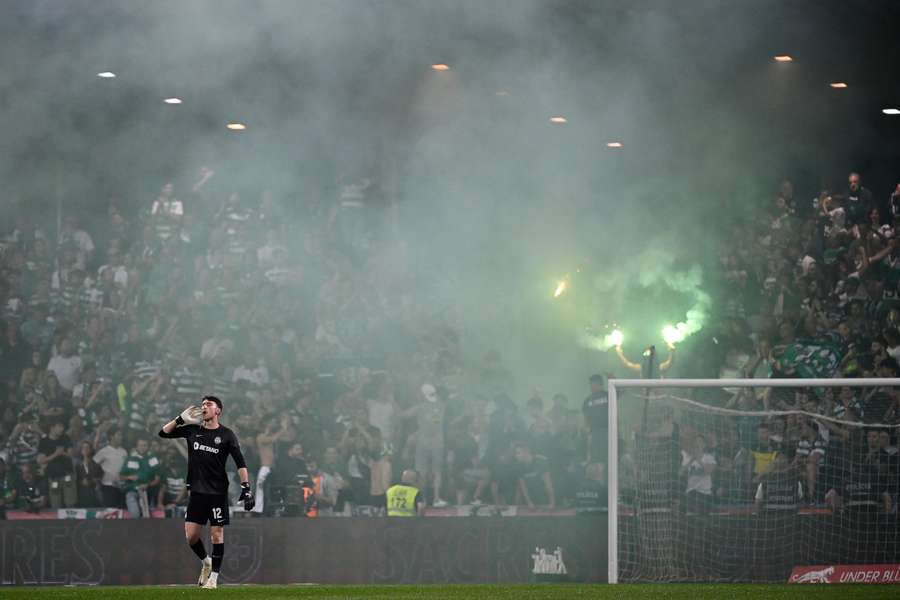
(744, 480)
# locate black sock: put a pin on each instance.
(217, 554)
(199, 550)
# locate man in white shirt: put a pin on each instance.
(66, 366)
(698, 464)
(111, 458)
(81, 239)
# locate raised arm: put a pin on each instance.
(189, 416)
(636, 367)
(667, 364)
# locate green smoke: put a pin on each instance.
(656, 267)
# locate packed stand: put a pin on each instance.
(339, 370)
(804, 289)
(336, 372)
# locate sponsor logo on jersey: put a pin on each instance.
(205, 448)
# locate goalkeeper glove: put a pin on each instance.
(247, 497)
(192, 415)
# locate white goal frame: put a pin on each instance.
(612, 467)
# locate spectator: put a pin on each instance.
(15, 355)
(274, 432)
(381, 470)
(54, 456)
(173, 490)
(381, 406)
(762, 453)
(429, 439)
(139, 473)
(332, 470)
(66, 365)
(111, 459)
(465, 454)
(8, 488)
(325, 488)
(809, 457)
(73, 234)
(88, 475)
(535, 483)
(858, 199)
(31, 493)
(558, 412)
(166, 213)
(357, 448)
(698, 466)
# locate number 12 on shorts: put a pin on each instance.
(217, 514)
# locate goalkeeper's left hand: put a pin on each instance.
(247, 496)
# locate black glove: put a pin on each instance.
(247, 497)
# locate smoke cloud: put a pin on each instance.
(478, 195)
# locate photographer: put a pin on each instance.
(291, 476)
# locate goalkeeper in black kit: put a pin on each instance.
(209, 446)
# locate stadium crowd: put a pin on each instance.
(804, 289)
(337, 373)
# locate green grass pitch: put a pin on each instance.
(462, 592)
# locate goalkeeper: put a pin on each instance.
(209, 446)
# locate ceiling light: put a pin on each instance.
(440, 67)
(559, 120)
(784, 58)
(615, 145)
(236, 126)
(891, 111)
(172, 100)
(106, 74)
(838, 85)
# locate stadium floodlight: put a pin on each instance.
(614, 145)
(891, 111)
(440, 67)
(236, 126)
(106, 75)
(768, 513)
(173, 100)
(838, 85)
(784, 58)
(558, 120)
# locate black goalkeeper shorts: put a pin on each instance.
(208, 507)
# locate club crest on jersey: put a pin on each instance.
(218, 440)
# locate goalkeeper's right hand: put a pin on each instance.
(192, 415)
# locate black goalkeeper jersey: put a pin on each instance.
(208, 450)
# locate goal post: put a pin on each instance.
(670, 393)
